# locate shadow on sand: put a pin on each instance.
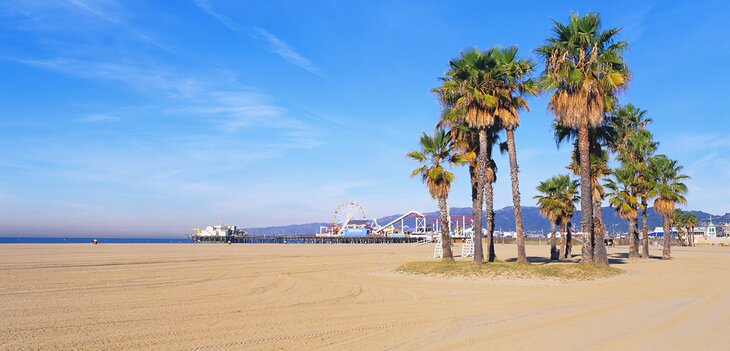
(531, 259)
(613, 258)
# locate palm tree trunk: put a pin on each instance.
(489, 205)
(633, 246)
(644, 230)
(514, 174)
(445, 238)
(568, 241)
(600, 255)
(637, 239)
(481, 182)
(489, 208)
(476, 203)
(586, 201)
(563, 241)
(553, 249)
(667, 251)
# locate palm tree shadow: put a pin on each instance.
(618, 258)
(531, 259)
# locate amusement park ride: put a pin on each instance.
(349, 220)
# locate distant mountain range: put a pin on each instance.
(503, 220)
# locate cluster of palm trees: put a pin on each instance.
(640, 176)
(482, 94)
(686, 222)
(556, 199)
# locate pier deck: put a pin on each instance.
(296, 239)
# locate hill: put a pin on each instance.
(503, 220)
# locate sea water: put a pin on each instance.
(85, 240)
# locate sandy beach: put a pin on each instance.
(346, 297)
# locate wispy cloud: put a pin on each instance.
(277, 45)
(232, 111)
(143, 77)
(286, 52)
(114, 20)
(229, 109)
(708, 142)
(65, 16)
(205, 6)
(100, 117)
(634, 21)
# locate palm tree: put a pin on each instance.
(435, 152)
(466, 140)
(642, 147)
(468, 87)
(491, 174)
(549, 205)
(625, 121)
(584, 68)
(669, 190)
(513, 87)
(557, 203)
(598, 137)
(568, 194)
(691, 222)
(634, 145)
(623, 199)
(679, 220)
(599, 171)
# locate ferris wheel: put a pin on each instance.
(347, 211)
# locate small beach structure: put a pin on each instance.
(217, 233)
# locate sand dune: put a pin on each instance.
(345, 297)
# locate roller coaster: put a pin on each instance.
(350, 220)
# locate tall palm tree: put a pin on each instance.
(642, 147)
(435, 152)
(623, 199)
(491, 174)
(513, 86)
(468, 87)
(584, 68)
(599, 171)
(466, 140)
(598, 137)
(669, 189)
(633, 144)
(691, 222)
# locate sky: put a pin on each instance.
(149, 118)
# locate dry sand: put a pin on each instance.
(345, 297)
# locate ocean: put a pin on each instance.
(78, 240)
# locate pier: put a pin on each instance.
(295, 239)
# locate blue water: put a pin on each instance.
(57, 240)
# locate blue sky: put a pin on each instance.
(149, 118)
